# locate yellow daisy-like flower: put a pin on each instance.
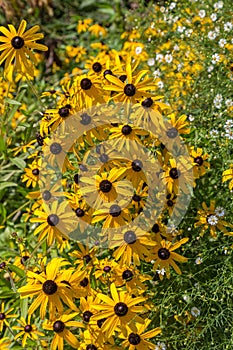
(199, 162)
(131, 88)
(54, 221)
(133, 245)
(50, 289)
(18, 46)
(212, 218)
(4, 315)
(164, 256)
(60, 326)
(119, 310)
(27, 330)
(137, 340)
(32, 173)
(228, 175)
(83, 25)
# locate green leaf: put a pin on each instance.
(19, 162)
(2, 144)
(17, 270)
(6, 184)
(13, 102)
(24, 307)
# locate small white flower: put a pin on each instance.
(160, 346)
(227, 26)
(222, 42)
(218, 5)
(229, 134)
(202, 13)
(210, 68)
(220, 212)
(161, 272)
(215, 58)
(157, 73)
(181, 29)
(151, 62)
(172, 5)
(191, 118)
(229, 103)
(212, 220)
(138, 50)
(186, 298)
(195, 311)
(212, 35)
(213, 17)
(176, 47)
(198, 261)
(168, 58)
(159, 57)
(160, 84)
(214, 133)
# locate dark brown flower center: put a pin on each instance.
(127, 275)
(155, 228)
(174, 173)
(17, 42)
(172, 133)
(199, 160)
(87, 315)
(120, 309)
(170, 203)
(126, 130)
(2, 265)
(107, 71)
(35, 172)
(91, 347)
(2, 316)
(49, 287)
(104, 158)
(46, 195)
(134, 338)
(115, 210)
(79, 212)
(107, 268)
(163, 253)
(55, 148)
(130, 90)
(84, 282)
(24, 259)
(148, 102)
(86, 84)
(85, 119)
(63, 112)
(130, 237)
(136, 198)
(137, 165)
(28, 328)
(105, 186)
(58, 326)
(52, 219)
(87, 258)
(97, 67)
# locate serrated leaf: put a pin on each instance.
(19, 162)
(6, 184)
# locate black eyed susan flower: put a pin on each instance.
(18, 46)
(5, 314)
(60, 326)
(114, 215)
(88, 91)
(83, 25)
(104, 187)
(132, 244)
(50, 289)
(55, 222)
(212, 219)
(125, 134)
(119, 310)
(32, 173)
(138, 340)
(199, 161)
(164, 256)
(85, 256)
(27, 330)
